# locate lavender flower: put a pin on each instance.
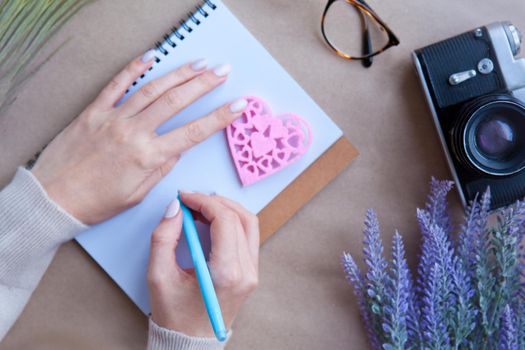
(415, 337)
(433, 319)
(436, 251)
(463, 320)
(376, 276)
(355, 278)
(520, 324)
(466, 296)
(469, 237)
(370, 289)
(437, 203)
(397, 306)
(508, 339)
(478, 248)
(504, 241)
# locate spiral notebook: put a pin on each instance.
(121, 245)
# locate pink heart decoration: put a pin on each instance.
(262, 144)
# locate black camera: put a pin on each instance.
(475, 87)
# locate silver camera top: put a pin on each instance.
(506, 40)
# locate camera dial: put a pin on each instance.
(513, 36)
(490, 135)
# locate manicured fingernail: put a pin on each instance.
(208, 193)
(186, 191)
(148, 56)
(238, 105)
(222, 70)
(199, 64)
(172, 209)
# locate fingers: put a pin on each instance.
(250, 222)
(176, 99)
(203, 204)
(187, 136)
(150, 92)
(225, 226)
(120, 83)
(232, 266)
(164, 240)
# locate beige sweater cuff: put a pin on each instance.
(29, 200)
(166, 339)
(33, 225)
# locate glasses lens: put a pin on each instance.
(345, 25)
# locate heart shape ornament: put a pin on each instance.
(262, 144)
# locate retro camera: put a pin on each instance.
(475, 87)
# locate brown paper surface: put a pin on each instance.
(303, 301)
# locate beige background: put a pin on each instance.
(303, 301)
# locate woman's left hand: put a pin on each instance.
(109, 157)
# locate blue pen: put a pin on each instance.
(203, 274)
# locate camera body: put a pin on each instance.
(475, 88)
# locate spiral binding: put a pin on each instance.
(179, 32)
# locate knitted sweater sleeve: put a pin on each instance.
(32, 227)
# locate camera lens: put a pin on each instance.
(493, 137)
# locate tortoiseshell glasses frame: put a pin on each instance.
(367, 13)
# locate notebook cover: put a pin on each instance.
(317, 176)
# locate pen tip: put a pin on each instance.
(221, 335)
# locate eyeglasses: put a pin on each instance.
(354, 31)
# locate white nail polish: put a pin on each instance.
(208, 193)
(186, 191)
(172, 209)
(238, 105)
(222, 70)
(148, 56)
(199, 64)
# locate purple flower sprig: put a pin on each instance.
(356, 279)
(396, 309)
(437, 204)
(508, 338)
(469, 292)
(463, 320)
(376, 276)
(433, 318)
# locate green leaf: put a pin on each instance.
(25, 27)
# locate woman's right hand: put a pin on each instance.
(109, 157)
(176, 301)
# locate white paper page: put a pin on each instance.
(121, 244)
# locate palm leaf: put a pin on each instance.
(25, 28)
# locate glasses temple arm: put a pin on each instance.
(367, 48)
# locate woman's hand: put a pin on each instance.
(176, 301)
(109, 157)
